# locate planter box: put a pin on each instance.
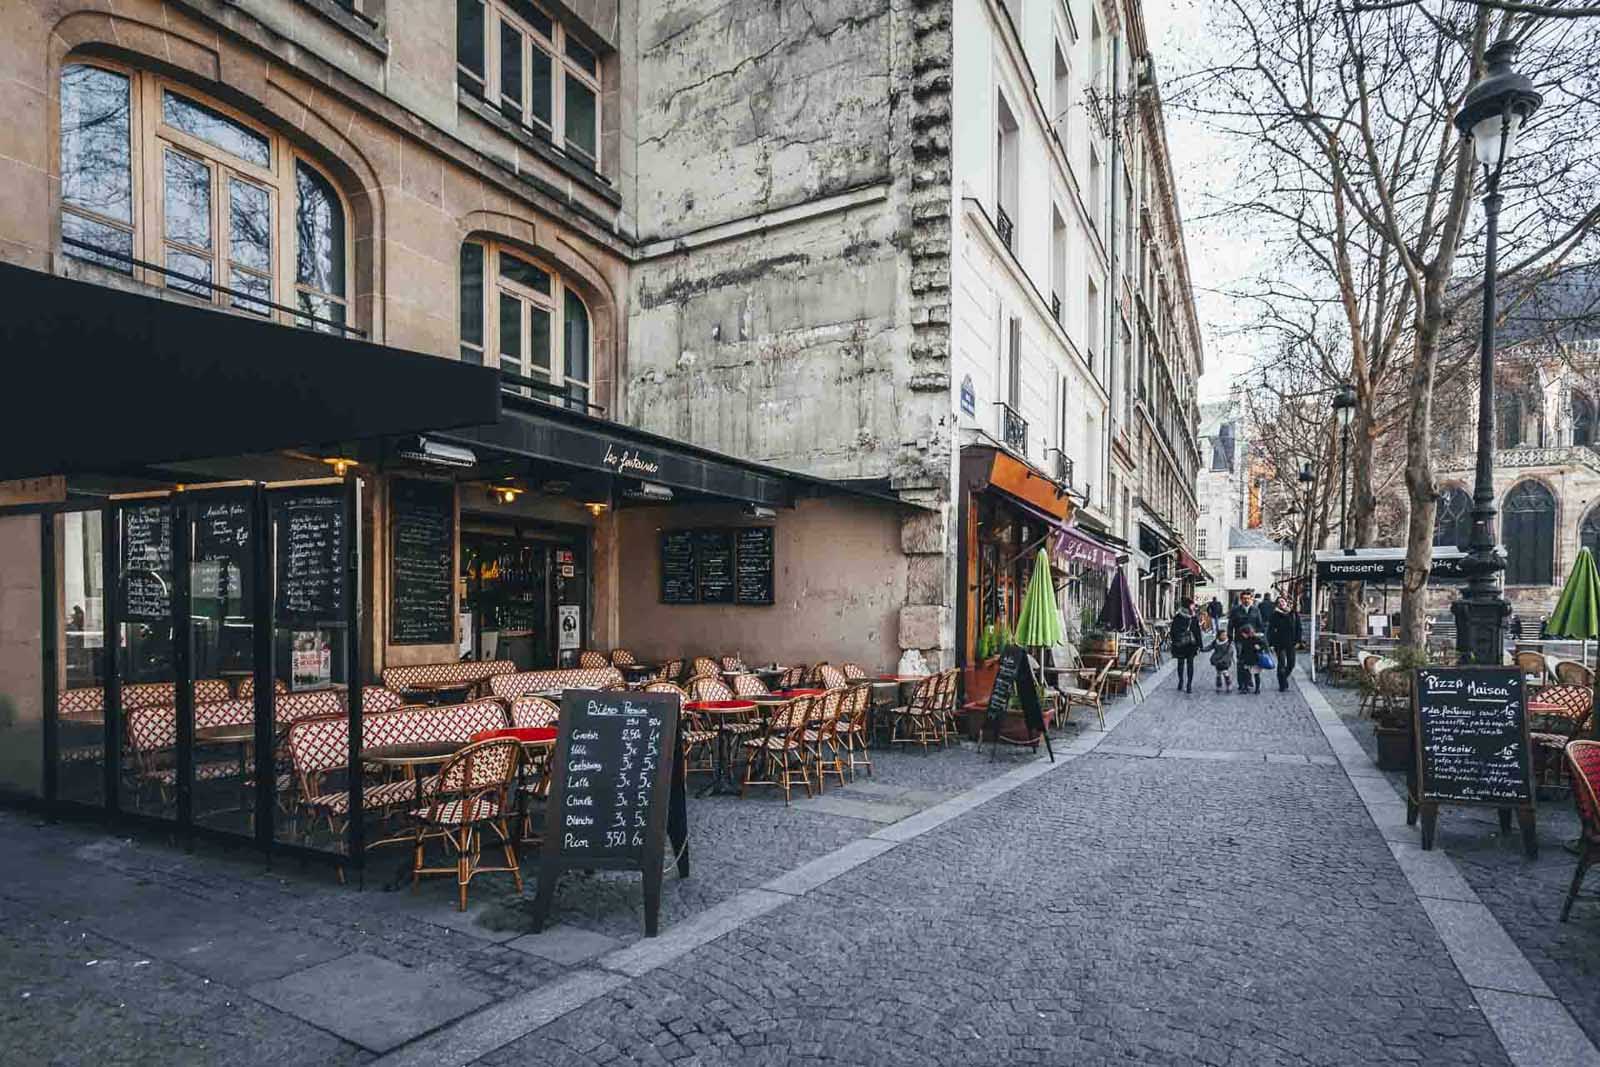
(1394, 748)
(977, 681)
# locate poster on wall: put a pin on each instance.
(569, 625)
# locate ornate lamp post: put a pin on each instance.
(1308, 480)
(1494, 111)
(1344, 408)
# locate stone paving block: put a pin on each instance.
(1537, 1031)
(1432, 873)
(374, 1002)
(565, 944)
(1281, 757)
(823, 869)
(868, 810)
(649, 953)
(218, 943)
(1486, 957)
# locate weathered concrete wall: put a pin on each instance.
(792, 301)
(839, 583)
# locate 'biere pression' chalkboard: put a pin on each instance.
(616, 794)
(422, 557)
(1470, 730)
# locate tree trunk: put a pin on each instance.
(1420, 490)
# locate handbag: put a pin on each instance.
(1266, 662)
(1185, 643)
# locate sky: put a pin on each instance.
(1220, 257)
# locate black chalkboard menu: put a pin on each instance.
(716, 565)
(222, 552)
(310, 556)
(147, 562)
(753, 562)
(422, 527)
(1470, 727)
(713, 557)
(618, 769)
(1016, 675)
(678, 582)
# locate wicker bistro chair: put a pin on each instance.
(779, 753)
(750, 685)
(852, 672)
(469, 792)
(821, 736)
(1393, 701)
(1368, 703)
(792, 677)
(920, 722)
(670, 671)
(1127, 678)
(1583, 765)
(590, 658)
(1089, 696)
(1570, 672)
(703, 665)
(698, 739)
(1552, 731)
(621, 657)
(827, 676)
(532, 711)
(855, 714)
(733, 663)
(709, 687)
(1533, 665)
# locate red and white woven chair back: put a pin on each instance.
(707, 687)
(621, 657)
(588, 658)
(1583, 759)
(533, 712)
(748, 685)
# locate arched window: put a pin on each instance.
(1582, 419)
(161, 184)
(1508, 416)
(1528, 530)
(522, 317)
(1589, 531)
(1452, 519)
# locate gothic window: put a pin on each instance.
(1582, 419)
(1589, 532)
(161, 184)
(1528, 530)
(1452, 519)
(1508, 415)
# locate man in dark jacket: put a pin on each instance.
(1283, 634)
(1245, 613)
(1214, 609)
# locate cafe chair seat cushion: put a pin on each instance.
(386, 795)
(455, 812)
(698, 737)
(203, 772)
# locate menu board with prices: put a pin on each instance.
(753, 553)
(310, 556)
(718, 565)
(678, 583)
(616, 792)
(1015, 676)
(713, 558)
(423, 548)
(147, 562)
(222, 553)
(1471, 745)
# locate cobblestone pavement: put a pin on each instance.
(1213, 907)
(1524, 895)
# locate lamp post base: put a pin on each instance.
(1481, 628)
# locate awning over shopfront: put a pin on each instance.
(539, 431)
(104, 379)
(1071, 545)
(1384, 564)
(1189, 563)
(1029, 489)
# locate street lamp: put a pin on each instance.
(1308, 480)
(1493, 113)
(1344, 408)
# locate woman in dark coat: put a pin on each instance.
(1184, 638)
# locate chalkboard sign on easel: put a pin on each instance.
(1017, 675)
(422, 561)
(1470, 731)
(616, 793)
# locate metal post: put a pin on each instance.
(1481, 613)
(48, 629)
(262, 644)
(110, 671)
(180, 525)
(355, 835)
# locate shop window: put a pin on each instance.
(514, 56)
(227, 211)
(1529, 534)
(538, 328)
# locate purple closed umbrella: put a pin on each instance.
(1118, 614)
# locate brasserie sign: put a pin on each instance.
(629, 461)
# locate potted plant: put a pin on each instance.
(978, 679)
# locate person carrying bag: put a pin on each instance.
(1184, 635)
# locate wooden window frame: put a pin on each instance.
(553, 302)
(497, 14)
(149, 140)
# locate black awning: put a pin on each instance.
(103, 379)
(535, 429)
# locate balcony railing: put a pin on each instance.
(1063, 468)
(1013, 428)
(1055, 307)
(522, 385)
(1003, 225)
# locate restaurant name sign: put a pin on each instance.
(1075, 548)
(1372, 568)
(628, 461)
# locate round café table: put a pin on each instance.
(242, 734)
(438, 694)
(409, 756)
(722, 783)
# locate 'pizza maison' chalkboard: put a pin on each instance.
(718, 565)
(422, 526)
(1472, 737)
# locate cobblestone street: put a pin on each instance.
(1201, 884)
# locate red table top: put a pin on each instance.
(720, 705)
(789, 694)
(526, 734)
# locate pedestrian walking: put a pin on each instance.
(1214, 610)
(1245, 613)
(1222, 660)
(1249, 647)
(1184, 635)
(1283, 634)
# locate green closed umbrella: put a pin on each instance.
(1039, 623)
(1577, 613)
